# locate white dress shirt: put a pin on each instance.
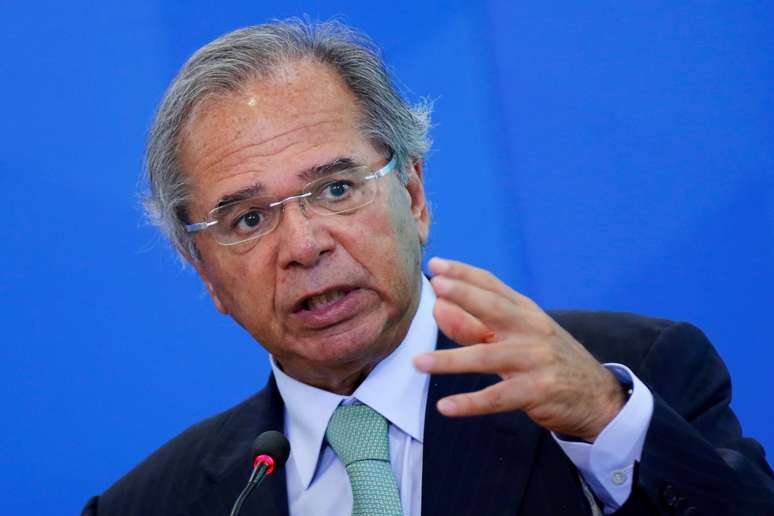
(317, 481)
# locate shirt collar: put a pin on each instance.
(393, 388)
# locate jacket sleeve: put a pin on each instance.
(695, 459)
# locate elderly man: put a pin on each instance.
(287, 170)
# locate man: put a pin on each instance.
(287, 170)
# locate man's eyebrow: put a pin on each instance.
(310, 174)
(240, 195)
(333, 166)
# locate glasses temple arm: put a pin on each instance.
(199, 226)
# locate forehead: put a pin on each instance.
(302, 116)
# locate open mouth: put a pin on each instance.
(323, 300)
(333, 306)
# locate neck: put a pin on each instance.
(342, 379)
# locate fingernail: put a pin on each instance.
(489, 336)
(447, 407)
(424, 362)
(438, 265)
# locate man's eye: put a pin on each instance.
(337, 190)
(249, 222)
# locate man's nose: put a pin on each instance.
(303, 238)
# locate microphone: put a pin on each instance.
(270, 451)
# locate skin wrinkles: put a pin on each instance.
(375, 250)
(335, 165)
(247, 153)
(284, 76)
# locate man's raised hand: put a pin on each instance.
(545, 372)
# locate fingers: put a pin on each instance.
(482, 295)
(475, 276)
(500, 397)
(459, 325)
(505, 333)
(494, 311)
(477, 358)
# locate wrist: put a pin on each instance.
(614, 396)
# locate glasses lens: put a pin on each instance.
(244, 220)
(342, 192)
(248, 219)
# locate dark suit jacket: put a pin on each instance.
(695, 460)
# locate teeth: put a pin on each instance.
(326, 298)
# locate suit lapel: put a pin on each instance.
(467, 462)
(228, 464)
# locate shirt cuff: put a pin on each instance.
(607, 465)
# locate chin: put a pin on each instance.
(361, 346)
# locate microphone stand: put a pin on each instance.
(256, 477)
(269, 449)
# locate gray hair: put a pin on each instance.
(227, 63)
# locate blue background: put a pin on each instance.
(617, 158)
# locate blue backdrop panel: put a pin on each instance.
(640, 166)
(618, 158)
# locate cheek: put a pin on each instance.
(397, 251)
(243, 285)
(405, 231)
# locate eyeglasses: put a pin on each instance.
(248, 219)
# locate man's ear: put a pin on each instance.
(202, 270)
(419, 209)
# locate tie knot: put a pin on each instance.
(358, 432)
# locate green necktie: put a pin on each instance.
(358, 436)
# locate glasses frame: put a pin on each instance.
(198, 227)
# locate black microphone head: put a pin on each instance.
(274, 444)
